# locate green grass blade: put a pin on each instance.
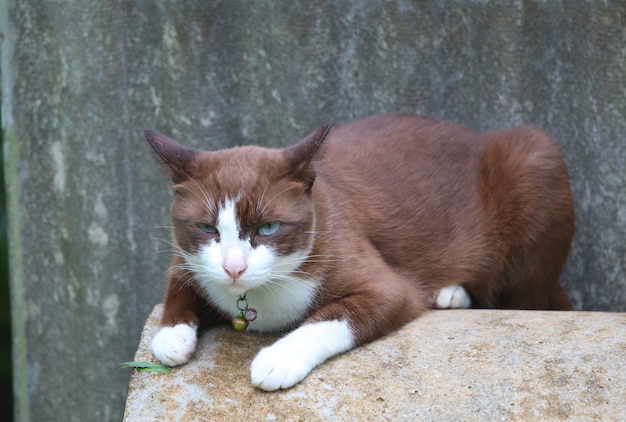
(147, 366)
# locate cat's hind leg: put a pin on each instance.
(451, 297)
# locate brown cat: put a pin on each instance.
(357, 230)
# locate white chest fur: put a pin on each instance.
(280, 304)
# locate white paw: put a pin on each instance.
(174, 346)
(451, 297)
(278, 367)
(290, 359)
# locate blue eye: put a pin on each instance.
(269, 228)
(207, 228)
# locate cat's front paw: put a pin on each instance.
(451, 297)
(174, 346)
(292, 358)
(277, 367)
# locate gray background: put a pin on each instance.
(88, 207)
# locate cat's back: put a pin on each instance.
(384, 135)
(408, 159)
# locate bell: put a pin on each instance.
(240, 323)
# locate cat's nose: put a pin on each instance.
(234, 270)
(235, 262)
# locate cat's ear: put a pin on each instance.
(300, 156)
(176, 157)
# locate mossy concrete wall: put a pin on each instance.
(88, 208)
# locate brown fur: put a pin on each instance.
(404, 205)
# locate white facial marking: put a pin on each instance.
(227, 223)
(226, 261)
(234, 251)
(293, 357)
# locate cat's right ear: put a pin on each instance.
(176, 157)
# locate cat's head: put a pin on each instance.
(242, 217)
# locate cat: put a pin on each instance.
(356, 230)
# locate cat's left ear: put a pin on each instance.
(300, 156)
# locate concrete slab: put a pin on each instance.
(448, 365)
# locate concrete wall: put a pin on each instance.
(87, 205)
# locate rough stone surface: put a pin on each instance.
(88, 209)
(448, 365)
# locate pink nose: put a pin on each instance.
(235, 262)
(234, 270)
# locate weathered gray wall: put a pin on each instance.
(80, 80)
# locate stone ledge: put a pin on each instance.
(447, 365)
